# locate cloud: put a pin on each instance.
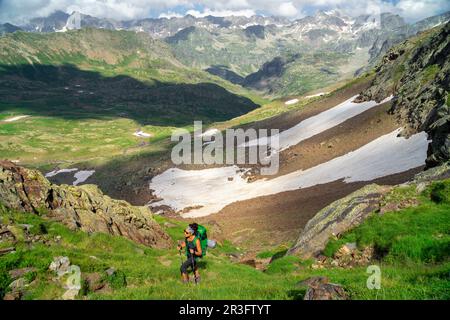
(17, 11)
(416, 10)
(170, 14)
(221, 13)
(21, 10)
(287, 9)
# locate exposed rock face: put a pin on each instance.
(225, 73)
(84, 207)
(255, 31)
(417, 72)
(349, 212)
(60, 265)
(261, 80)
(337, 218)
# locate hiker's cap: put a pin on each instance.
(190, 230)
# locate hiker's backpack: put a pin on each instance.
(203, 236)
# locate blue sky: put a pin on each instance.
(19, 11)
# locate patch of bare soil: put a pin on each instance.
(338, 141)
(294, 157)
(266, 222)
(290, 119)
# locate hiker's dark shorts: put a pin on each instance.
(188, 264)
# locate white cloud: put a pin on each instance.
(19, 10)
(415, 10)
(221, 13)
(170, 14)
(287, 9)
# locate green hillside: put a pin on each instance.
(97, 85)
(252, 57)
(413, 266)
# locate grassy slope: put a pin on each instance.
(129, 81)
(415, 265)
(313, 69)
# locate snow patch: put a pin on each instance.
(290, 102)
(210, 190)
(142, 134)
(319, 123)
(82, 176)
(208, 133)
(316, 95)
(56, 172)
(16, 118)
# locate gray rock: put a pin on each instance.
(338, 217)
(70, 294)
(60, 265)
(84, 207)
(319, 288)
(18, 285)
(17, 273)
(421, 187)
(111, 271)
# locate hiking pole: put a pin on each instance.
(181, 258)
(193, 268)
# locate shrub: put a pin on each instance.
(5, 280)
(440, 192)
(117, 280)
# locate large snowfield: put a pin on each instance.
(319, 123)
(210, 190)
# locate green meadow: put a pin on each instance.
(415, 243)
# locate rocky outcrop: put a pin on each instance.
(349, 212)
(85, 208)
(256, 31)
(417, 72)
(319, 288)
(338, 217)
(347, 256)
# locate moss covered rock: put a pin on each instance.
(337, 218)
(84, 207)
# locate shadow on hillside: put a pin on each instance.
(70, 93)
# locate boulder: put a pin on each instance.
(18, 273)
(94, 281)
(349, 256)
(340, 216)
(60, 265)
(110, 271)
(12, 296)
(18, 285)
(319, 288)
(70, 294)
(84, 207)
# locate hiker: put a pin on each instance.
(193, 252)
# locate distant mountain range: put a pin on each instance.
(329, 46)
(8, 28)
